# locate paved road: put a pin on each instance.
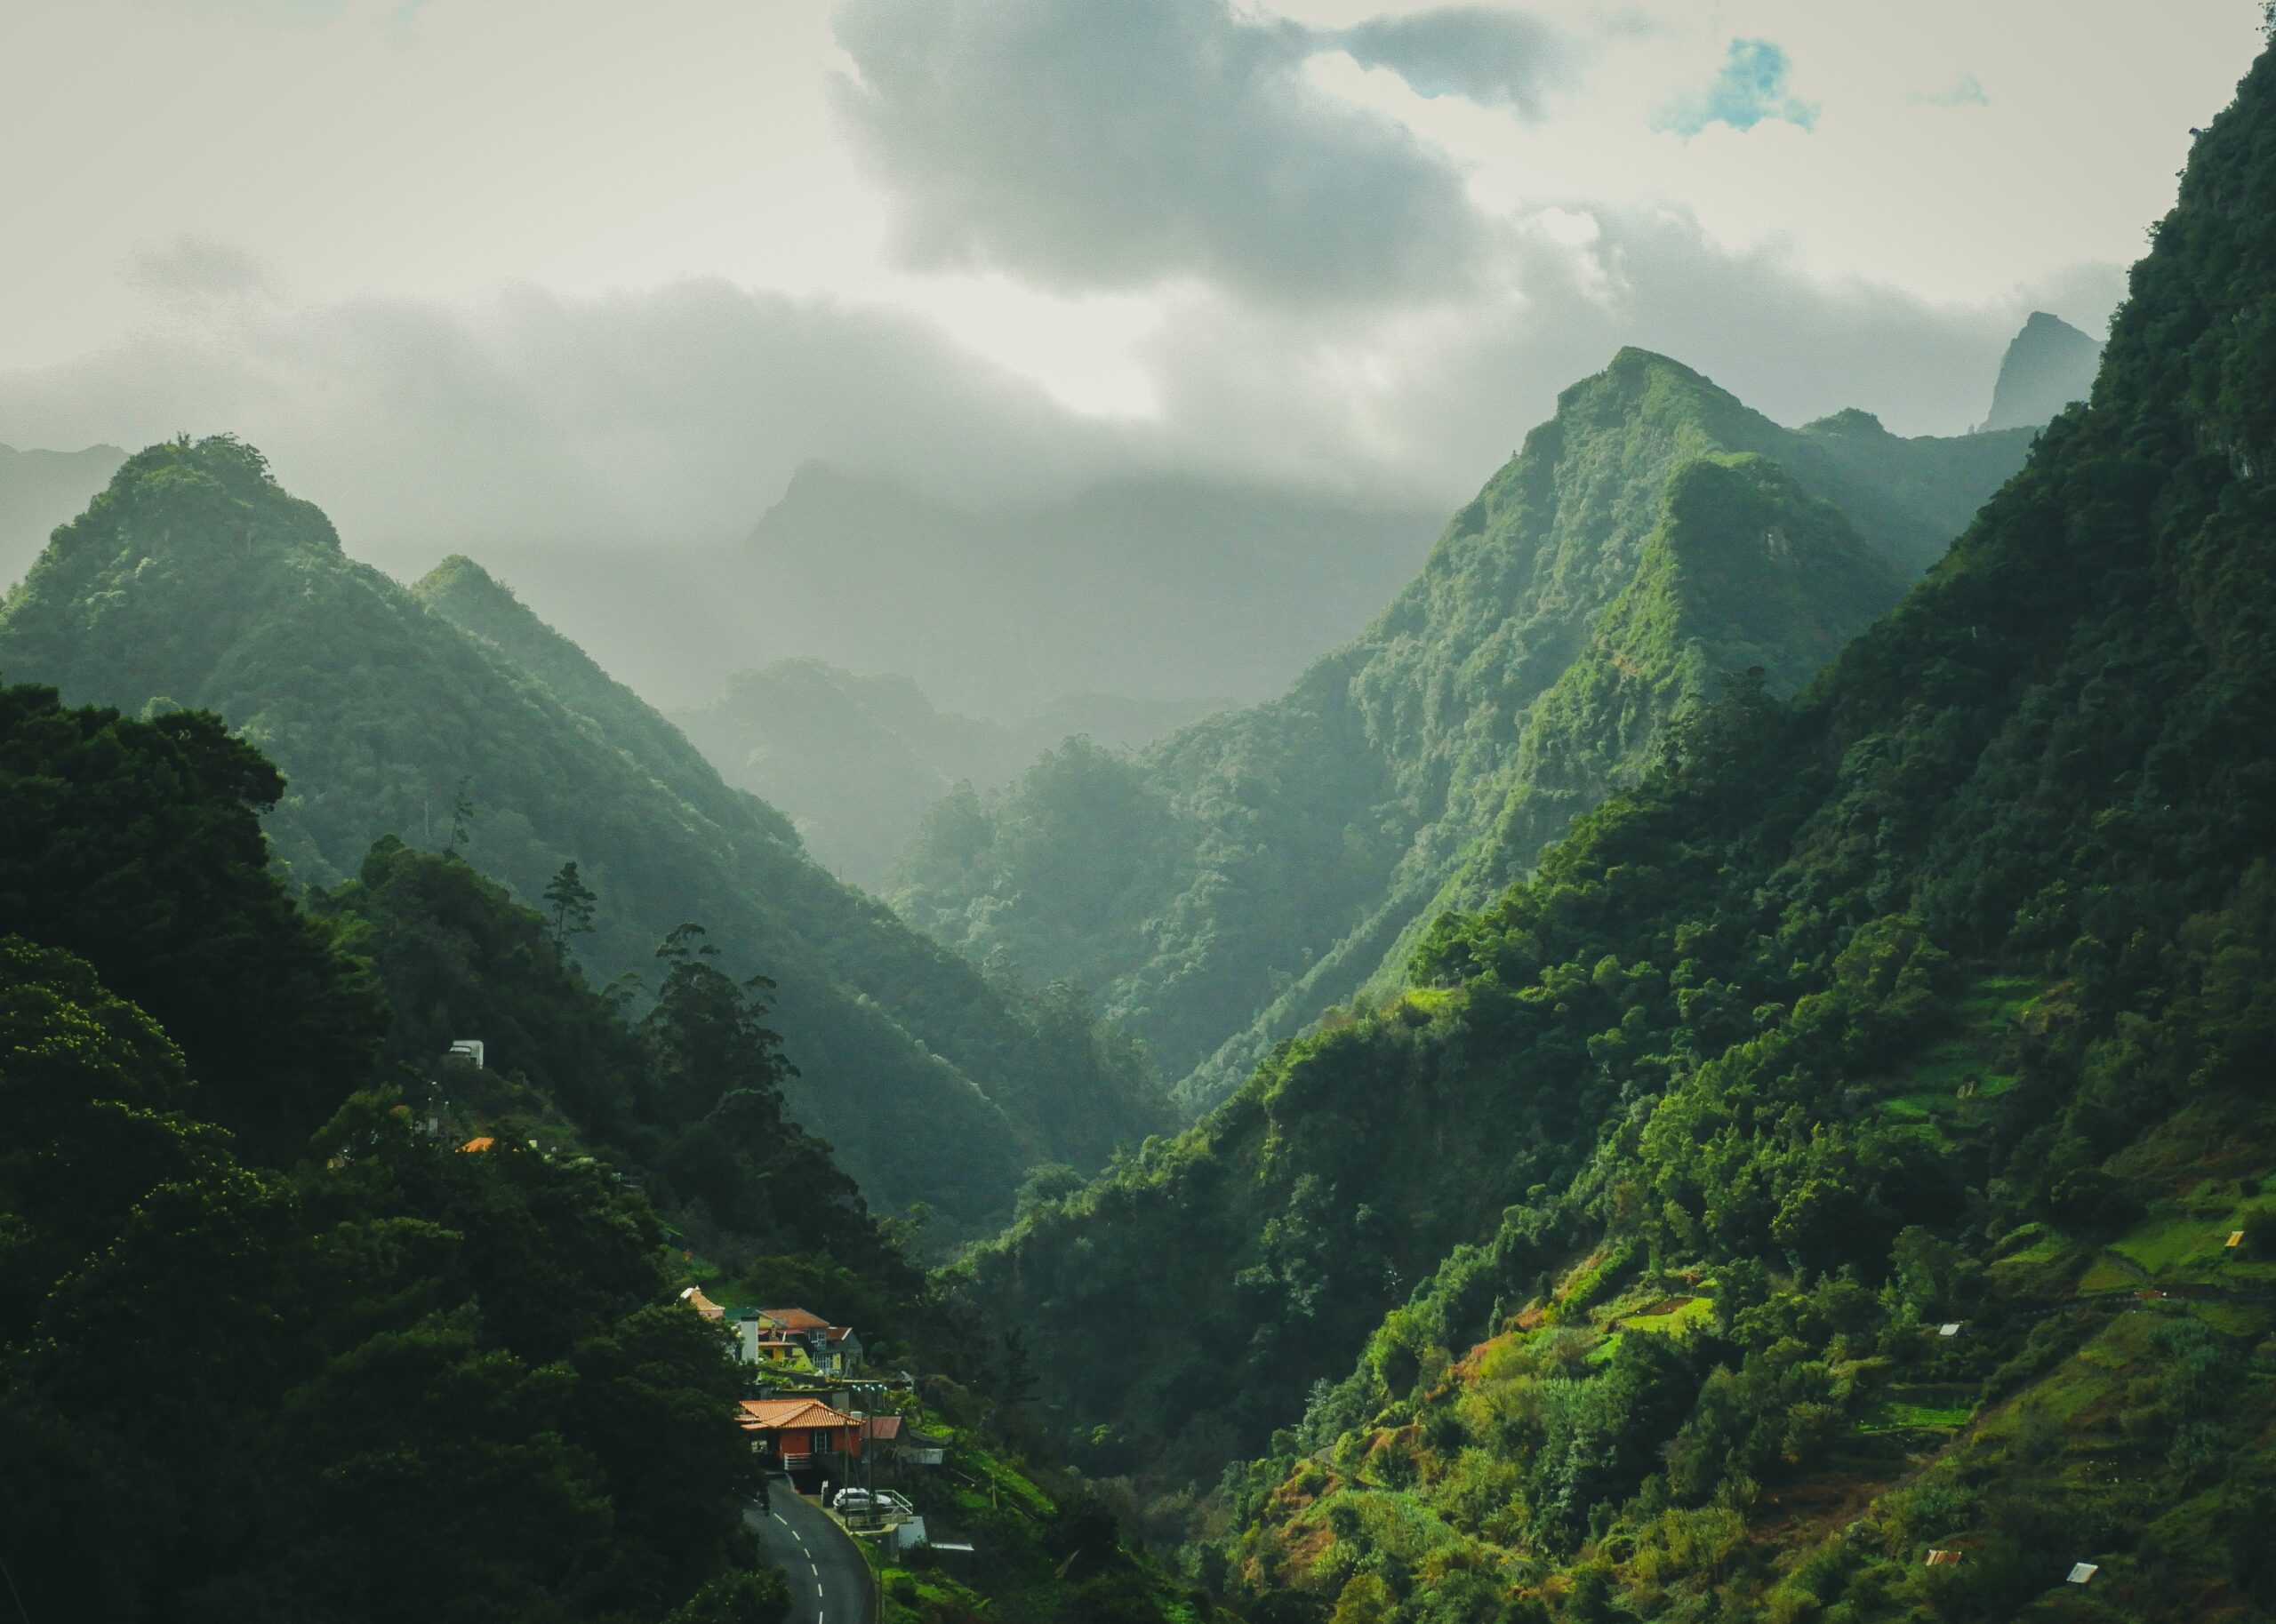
(829, 1583)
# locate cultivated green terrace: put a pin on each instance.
(1847, 1158)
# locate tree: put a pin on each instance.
(461, 818)
(705, 1033)
(1019, 1367)
(573, 905)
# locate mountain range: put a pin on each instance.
(2048, 364)
(1838, 1180)
(1220, 887)
(1155, 587)
(451, 716)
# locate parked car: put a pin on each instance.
(853, 1499)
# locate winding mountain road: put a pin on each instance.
(829, 1582)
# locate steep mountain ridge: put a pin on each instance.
(194, 580)
(1222, 886)
(1851, 1149)
(2048, 365)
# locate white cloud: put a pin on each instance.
(1120, 146)
(1364, 241)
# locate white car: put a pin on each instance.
(852, 1499)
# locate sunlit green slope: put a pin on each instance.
(1221, 887)
(1941, 995)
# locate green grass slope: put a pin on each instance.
(194, 581)
(1222, 886)
(1938, 994)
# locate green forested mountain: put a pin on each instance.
(1853, 1143)
(1221, 887)
(274, 1346)
(2049, 365)
(259, 1340)
(194, 580)
(856, 761)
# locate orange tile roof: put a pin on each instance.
(480, 1142)
(775, 1414)
(693, 1297)
(794, 1319)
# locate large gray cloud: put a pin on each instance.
(1483, 54)
(677, 415)
(1429, 402)
(1093, 146)
(600, 452)
(674, 415)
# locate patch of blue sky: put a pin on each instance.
(1750, 88)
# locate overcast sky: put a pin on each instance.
(591, 270)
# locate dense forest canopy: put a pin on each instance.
(1727, 1038)
(258, 1339)
(1855, 1142)
(267, 1325)
(453, 718)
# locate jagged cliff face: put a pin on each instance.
(1221, 887)
(2048, 364)
(194, 581)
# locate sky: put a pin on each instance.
(580, 272)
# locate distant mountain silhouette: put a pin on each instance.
(1157, 587)
(2048, 364)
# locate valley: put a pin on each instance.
(1704, 1054)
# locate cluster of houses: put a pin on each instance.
(790, 1339)
(816, 1416)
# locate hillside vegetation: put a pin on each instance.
(1219, 888)
(453, 718)
(258, 1338)
(1940, 995)
(285, 1295)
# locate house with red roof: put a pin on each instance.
(804, 1437)
(788, 1334)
